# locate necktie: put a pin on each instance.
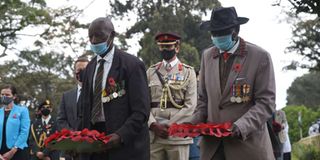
(168, 67)
(96, 111)
(226, 56)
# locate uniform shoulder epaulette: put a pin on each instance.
(155, 65)
(187, 66)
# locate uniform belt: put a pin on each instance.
(169, 104)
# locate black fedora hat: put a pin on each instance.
(223, 18)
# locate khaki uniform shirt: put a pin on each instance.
(179, 76)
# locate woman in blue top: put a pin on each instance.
(14, 126)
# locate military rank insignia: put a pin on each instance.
(115, 90)
(240, 92)
(175, 78)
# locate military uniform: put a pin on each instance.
(40, 130)
(172, 101)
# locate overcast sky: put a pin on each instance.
(264, 29)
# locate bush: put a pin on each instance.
(305, 152)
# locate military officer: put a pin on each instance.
(173, 88)
(41, 128)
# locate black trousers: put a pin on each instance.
(287, 156)
(21, 154)
(219, 154)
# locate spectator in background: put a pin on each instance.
(14, 126)
(287, 144)
(279, 125)
(67, 114)
(314, 128)
(40, 130)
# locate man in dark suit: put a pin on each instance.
(114, 97)
(67, 113)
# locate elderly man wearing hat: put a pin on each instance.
(173, 88)
(237, 85)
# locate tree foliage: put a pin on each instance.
(306, 33)
(39, 76)
(307, 116)
(305, 90)
(43, 70)
(153, 16)
(306, 6)
(54, 26)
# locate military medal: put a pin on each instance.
(246, 90)
(104, 99)
(123, 91)
(115, 95)
(238, 99)
(233, 90)
(108, 99)
(238, 94)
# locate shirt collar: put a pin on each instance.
(109, 56)
(79, 88)
(172, 63)
(233, 49)
(46, 120)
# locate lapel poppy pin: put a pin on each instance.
(237, 67)
(111, 82)
(14, 116)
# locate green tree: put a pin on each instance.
(182, 17)
(307, 116)
(305, 91)
(54, 26)
(43, 70)
(306, 33)
(40, 76)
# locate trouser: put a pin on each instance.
(287, 156)
(194, 153)
(169, 151)
(219, 154)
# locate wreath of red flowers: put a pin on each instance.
(189, 130)
(85, 141)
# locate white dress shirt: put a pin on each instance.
(78, 92)
(172, 63)
(106, 68)
(46, 120)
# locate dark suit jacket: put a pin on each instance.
(126, 116)
(67, 114)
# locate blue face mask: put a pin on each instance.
(223, 42)
(99, 48)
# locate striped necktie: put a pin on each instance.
(96, 112)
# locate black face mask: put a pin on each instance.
(80, 75)
(4, 100)
(168, 54)
(45, 111)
